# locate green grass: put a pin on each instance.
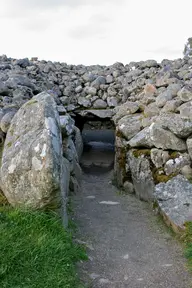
(36, 252)
(188, 242)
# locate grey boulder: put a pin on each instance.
(34, 172)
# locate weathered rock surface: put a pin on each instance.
(159, 157)
(165, 139)
(174, 199)
(129, 126)
(174, 166)
(142, 177)
(142, 139)
(175, 123)
(34, 172)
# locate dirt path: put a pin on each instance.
(126, 244)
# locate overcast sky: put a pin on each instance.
(95, 31)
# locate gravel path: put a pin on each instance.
(126, 243)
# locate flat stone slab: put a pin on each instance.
(174, 199)
(101, 113)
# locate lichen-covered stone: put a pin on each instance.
(125, 109)
(33, 171)
(6, 121)
(141, 139)
(175, 123)
(67, 125)
(185, 94)
(142, 176)
(129, 125)
(128, 187)
(165, 139)
(175, 165)
(174, 199)
(159, 157)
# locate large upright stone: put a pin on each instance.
(34, 172)
(142, 176)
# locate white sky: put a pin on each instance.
(95, 31)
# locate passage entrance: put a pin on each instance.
(99, 148)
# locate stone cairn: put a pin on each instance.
(149, 103)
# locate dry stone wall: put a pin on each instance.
(149, 103)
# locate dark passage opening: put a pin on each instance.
(99, 144)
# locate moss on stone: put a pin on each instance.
(144, 115)
(3, 199)
(159, 176)
(155, 205)
(1, 153)
(9, 144)
(122, 157)
(11, 131)
(31, 102)
(119, 134)
(141, 152)
(174, 154)
(121, 153)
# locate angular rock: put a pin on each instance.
(142, 139)
(171, 106)
(150, 89)
(185, 94)
(98, 81)
(189, 146)
(174, 166)
(90, 90)
(70, 152)
(186, 110)
(162, 98)
(174, 199)
(125, 109)
(151, 110)
(176, 124)
(141, 176)
(174, 89)
(83, 101)
(78, 89)
(99, 104)
(23, 62)
(129, 126)
(105, 113)
(128, 187)
(112, 101)
(186, 171)
(67, 125)
(6, 121)
(165, 139)
(159, 157)
(78, 141)
(109, 79)
(111, 92)
(4, 90)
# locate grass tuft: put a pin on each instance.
(36, 251)
(188, 243)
